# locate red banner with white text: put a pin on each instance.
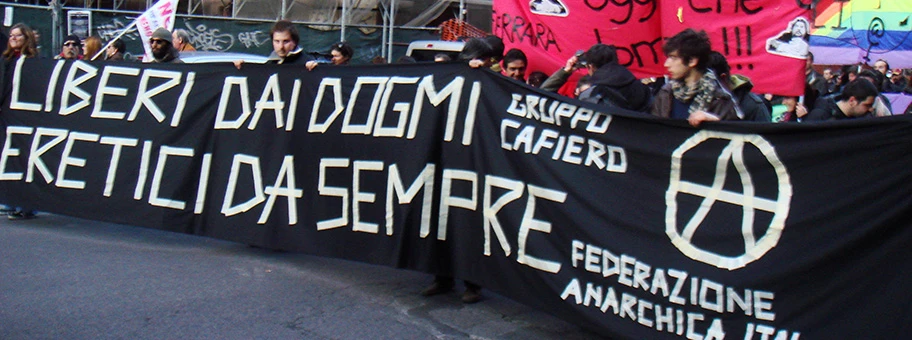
(765, 40)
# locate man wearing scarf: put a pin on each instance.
(693, 92)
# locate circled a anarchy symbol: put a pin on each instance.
(754, 247)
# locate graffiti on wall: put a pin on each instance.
(112, 29)
(253, 39)
(209, 39)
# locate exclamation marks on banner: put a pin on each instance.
(738, 40)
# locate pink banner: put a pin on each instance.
(754, 35)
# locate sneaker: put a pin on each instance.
(437, 288)
(6, 211)
(471, 295)
(19, 215)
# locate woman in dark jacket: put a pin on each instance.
(21, 43)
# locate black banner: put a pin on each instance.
(634, 226)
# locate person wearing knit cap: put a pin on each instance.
(72, 47)
(163, 50)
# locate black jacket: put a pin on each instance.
(825, 109)
(172, 57)
(613, 85)
(753, 107)
(296, 57)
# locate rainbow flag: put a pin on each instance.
(862, 31)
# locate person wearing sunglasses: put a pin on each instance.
(72, 48)
(163, 50)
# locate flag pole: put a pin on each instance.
(125, 30)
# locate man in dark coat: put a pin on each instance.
(612, 84)
(855, 101)
(753, 106)
(692, 92)
(286, 48)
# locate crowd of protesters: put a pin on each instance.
(699, 85)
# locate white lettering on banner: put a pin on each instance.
(40, 146)
(401, 108)
(270, 99)
(648, 314)
(553, 112)
(144, 95)
(569, 149)
(514, 191)
(530, 223)
(71, 86)
(66, 160)
(143, 172)
(424, 181)
(104, 89)
(676, 286)
(204, 184)
(706, 294)
(359, 196)
(37, 150)
(291, 192)
(277, 106)
(45, 141)
(163, 154)
(10, 151)
(447, 200)
(52, 85)
(118, 144)
(350, 128)
(766, 332)
(228, 206)
(80, 73)
(15, 104)
(381, 118)
(374, 125)
(220, 122)
(293, 111)
(329, 191)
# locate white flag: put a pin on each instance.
(159, 15)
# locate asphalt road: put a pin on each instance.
(66, 278)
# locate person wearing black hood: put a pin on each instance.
(483, 52)
(612, 84)
(753, 106)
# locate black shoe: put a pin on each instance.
(19, 215)
(437, 288)
(471, 295)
